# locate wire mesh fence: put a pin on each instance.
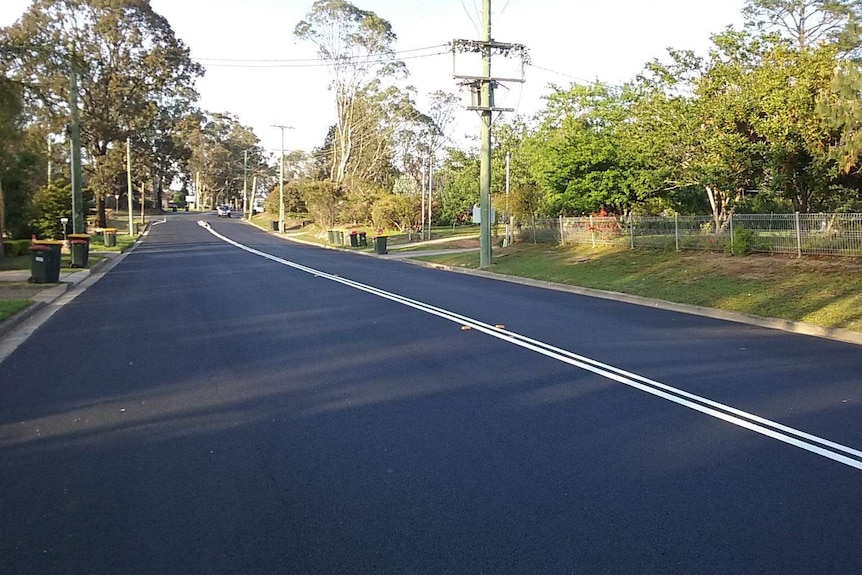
(800, 234)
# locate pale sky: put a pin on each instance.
(568, 40)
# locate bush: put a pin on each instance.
(743, 242)
(14, 248)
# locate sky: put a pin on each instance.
(568, 41)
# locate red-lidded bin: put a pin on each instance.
(44, 264)
(79, 245)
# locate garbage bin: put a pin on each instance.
(187, 208)
(330, 236)
(274, 226)
(80, 248)
(363, 239)
(174, 209)
(44, 264)
(380, 245)
(110, 235)
(354, 239)
(80, 253)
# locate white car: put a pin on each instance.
(223, 211)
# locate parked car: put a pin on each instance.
(223, 211)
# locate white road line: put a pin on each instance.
(812, 443)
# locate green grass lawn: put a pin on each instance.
(827, 292)
(12, 306)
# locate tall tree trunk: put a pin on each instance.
(102, 218)
(2, 221)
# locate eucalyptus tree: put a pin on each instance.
(128, 60)
(221, 154)
(809, 23)
(357, 45)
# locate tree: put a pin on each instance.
(358, 47)
(459, 189)
(218, 145)
(787, 85)
(128, 59)
(581, 153)
(21, 168)
(841, 110)
(809, 23)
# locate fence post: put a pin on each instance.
(632, 230)
(798, 237)
(592, 232)
(562, 236)
(730, 224)
(676, 229)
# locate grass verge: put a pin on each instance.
(826, 292)
(9, 307)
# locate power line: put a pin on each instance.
(581, 80)
(467, 12)
(317, 60)
(326, 63)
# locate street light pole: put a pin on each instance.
(281, 180)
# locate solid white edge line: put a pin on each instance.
(697, 403)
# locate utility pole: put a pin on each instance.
(482, 90)
(281, 180)
(75, 142)
(422, 195)
(486, 98)
(50, 160)
(245, 182)
(430, 187)
(129, 184)
(253, 188)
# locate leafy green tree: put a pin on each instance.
(787, 85)
(217, 149)
(841, 110)
(459, 186)
(694, 119)
(21, 166)
(581, 153)
(129, 62)
(49, 205)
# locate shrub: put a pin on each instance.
(743, 242)
(14, 248)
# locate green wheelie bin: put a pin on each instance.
(110, 235)
(81, 253)
(44, 263)
(380, 245)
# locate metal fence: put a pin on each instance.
(800, 234)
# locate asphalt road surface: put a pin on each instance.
(223, 401)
